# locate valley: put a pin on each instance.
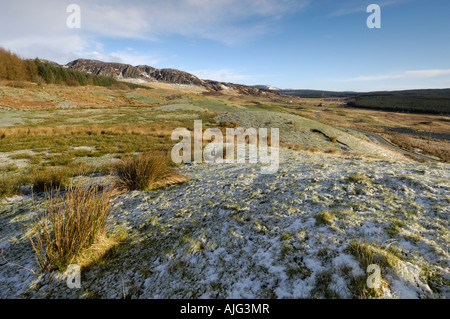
(339, 201)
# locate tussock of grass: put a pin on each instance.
(59, 159)
(146, 171)
(359, 178)
(231, 124)
(100, 249)
(73, 226)
(9, 186)
(45, 179)
(86, 153)
(11, 168)
(295, 147)
(22, 156)
(322, 288)
(368, 254)
(324, 218)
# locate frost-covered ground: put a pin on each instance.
(232, 232)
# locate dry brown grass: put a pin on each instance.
(45, 179)
(21, 84)
(380, 254)
(373, 120)
(430, 146)
(156, 129)
(231, 124)
(146, 171)
(295, 147)
(73, 226)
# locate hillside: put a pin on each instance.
(141, 73)
(147, 74)
(418, 101)
(317, 93)
(92, 72)
(19, 71)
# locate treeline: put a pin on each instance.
(435, 101)
(416, 101)
(318, 94)
(13, 68)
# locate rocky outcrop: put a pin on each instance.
(239, 88)
(147, 73)
(176, 76)
(141, 72)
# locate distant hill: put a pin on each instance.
(266, 87)
(13, 68)
(417, 101)
(433, 101)
(317, 93)
(93, 72)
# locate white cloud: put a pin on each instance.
(133, 58)
(427, 73)
(355, 6)
(224, 21)
(38, 28)
(60, 49)
(415, 74)
(224, 75)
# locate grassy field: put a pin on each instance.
(337, 199)
(60, 127)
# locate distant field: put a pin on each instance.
(425, 132)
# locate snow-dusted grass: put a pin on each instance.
(308, 231)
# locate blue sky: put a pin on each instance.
(303, 44)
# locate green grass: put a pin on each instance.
(11, 168)
(44, 178)
(9, 186)
(22, 156)
(86, 153)
(59, 159)
(322, 287)
(106, 144)
(145, 99)
(56, 151)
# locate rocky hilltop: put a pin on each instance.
(145, 73)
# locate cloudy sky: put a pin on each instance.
(303, 44)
